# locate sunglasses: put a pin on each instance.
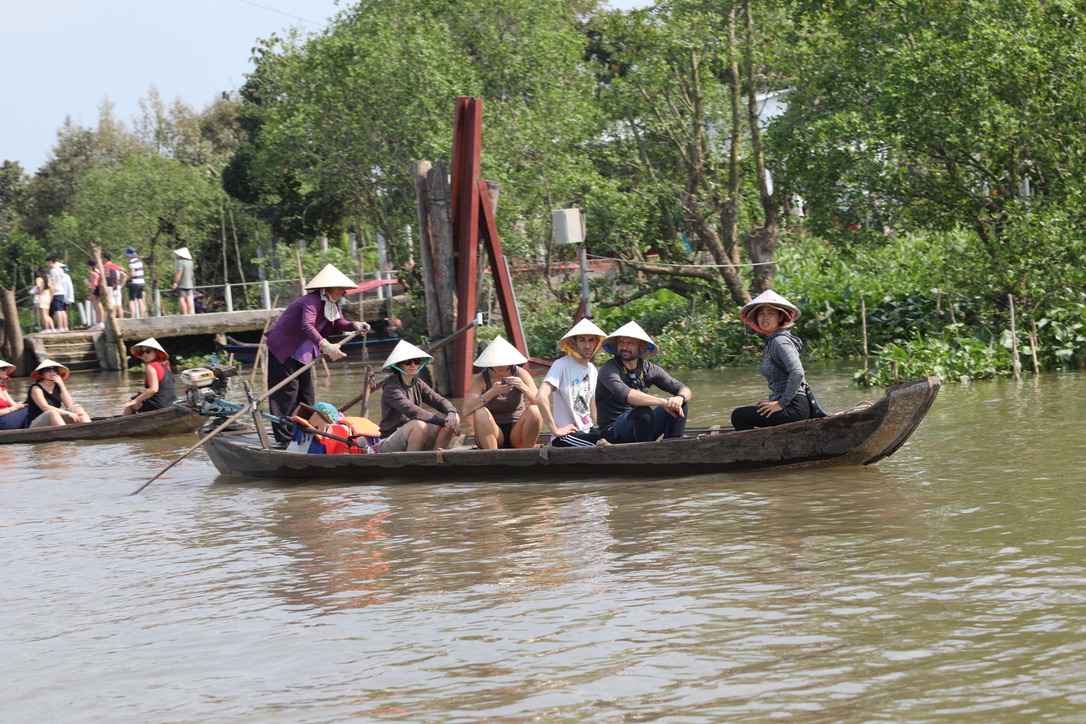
(418, 361)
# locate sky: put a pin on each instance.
(65, 58)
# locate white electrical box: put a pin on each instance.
(568, 226)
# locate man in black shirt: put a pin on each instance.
(623, 403)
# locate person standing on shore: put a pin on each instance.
(43, 299)
(58, 307)
(184, 281)
(116, 277)
(137, 309)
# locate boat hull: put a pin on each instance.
(860, 436)
(167, 421)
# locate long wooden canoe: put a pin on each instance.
(859, 436)
(167, 421)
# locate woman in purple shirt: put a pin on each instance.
(298, 337)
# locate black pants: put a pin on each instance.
(284, 401)
(577, 439)
(748, 418)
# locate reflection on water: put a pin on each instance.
(945, 583)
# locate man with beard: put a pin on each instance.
(624, 405)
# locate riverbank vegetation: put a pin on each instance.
(895, 168)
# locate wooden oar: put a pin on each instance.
(233, 418)
(478, 321)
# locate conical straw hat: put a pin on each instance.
(402, 351)
(183, 252)
(64, 371)
(585, 328)
(500, 353)
(634, 331)
(768, 298)
(330, 277)
(4, 364)
(150, 343)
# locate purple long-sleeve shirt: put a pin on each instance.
(300, 328)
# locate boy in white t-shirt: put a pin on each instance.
(572, 381)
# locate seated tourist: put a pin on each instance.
(405, 425)
(158, 389)
(628, 411)
(12, 414)
(48, 399)
(502, 400)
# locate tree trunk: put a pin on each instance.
(113, 331)
(12, 347)
(436, 237)
(762, 242)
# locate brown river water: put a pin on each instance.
(945, 584)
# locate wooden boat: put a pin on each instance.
(861, 435)
(167, 421)
(245, 352)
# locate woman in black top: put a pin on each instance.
(158, 389)
(48, 399)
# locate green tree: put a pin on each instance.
(683, 83)
(78, 151)
(335, 123)
(151, 202)
(916, 115)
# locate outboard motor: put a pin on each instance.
(204, 386)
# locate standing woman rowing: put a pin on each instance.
(771, 314)
(298, 337)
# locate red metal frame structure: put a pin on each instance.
(470, 201)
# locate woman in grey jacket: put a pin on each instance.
(771, 314)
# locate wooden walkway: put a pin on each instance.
(87, 350)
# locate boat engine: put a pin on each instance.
(206, 385)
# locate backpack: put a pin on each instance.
(111, 277)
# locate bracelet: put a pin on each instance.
(482, 399)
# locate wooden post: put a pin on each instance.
(1014, 339)
(467, 145)
(13, 333)
(1033, 345)
(443, 271)
(863, 323)
(298, 260)
(113, 331)
(499, 270)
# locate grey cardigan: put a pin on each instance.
(781, 366)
